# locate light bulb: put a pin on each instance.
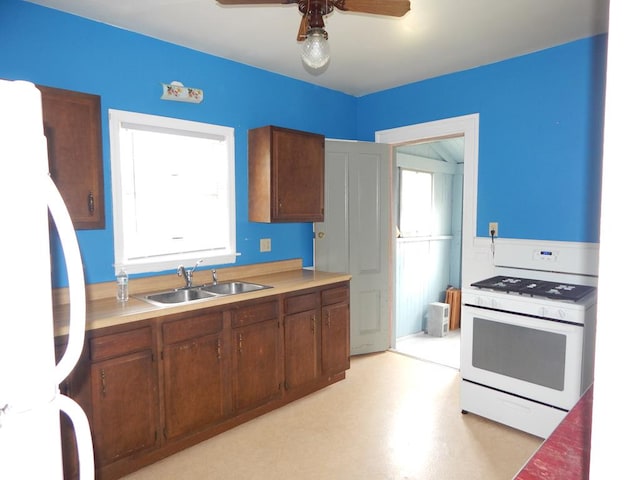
(315, 49)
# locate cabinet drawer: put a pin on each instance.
(181, 329)
(258, 312)
(301, 303)
(335, 295)
(120, 343)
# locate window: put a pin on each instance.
(415, 203)
(173, 192)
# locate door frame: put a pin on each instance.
(469, 127)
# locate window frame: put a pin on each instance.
(121, 176)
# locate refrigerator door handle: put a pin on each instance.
(83, 435)
(75, 273)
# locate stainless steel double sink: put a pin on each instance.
(201, 292)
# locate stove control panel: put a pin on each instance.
(555, 313)
(515, 304)
(569, 258)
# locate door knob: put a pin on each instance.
(320, 234)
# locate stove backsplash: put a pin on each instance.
(570, 262)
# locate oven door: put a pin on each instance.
(538, 359)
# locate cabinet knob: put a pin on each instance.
(320, 234)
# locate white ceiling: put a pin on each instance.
(450, 150)
(369, 53)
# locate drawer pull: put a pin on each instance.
(91, 203)
(103, 381)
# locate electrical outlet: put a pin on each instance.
(493, 227)
(265, 244)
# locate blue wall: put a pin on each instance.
(60, 50)
(540, 121)
(540, 151)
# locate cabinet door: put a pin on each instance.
(298, 184)
(72, 125)
(124, 406)
(256, 361)
(302, 348)
(286, 175)
(124, 392)
(194, 384)
(335, 338)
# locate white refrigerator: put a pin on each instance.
(30, 399)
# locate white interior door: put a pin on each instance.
(356, 235)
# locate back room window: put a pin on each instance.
(416, 200)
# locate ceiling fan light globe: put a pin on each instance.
(315, 49)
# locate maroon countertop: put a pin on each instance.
(565, 454)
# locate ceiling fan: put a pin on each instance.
(315, 49)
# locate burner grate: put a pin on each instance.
(535, 288)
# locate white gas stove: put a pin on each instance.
(527, 348)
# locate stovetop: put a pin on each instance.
(535, 288)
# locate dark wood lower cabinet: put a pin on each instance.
(154, 387)
(256, 354)
(302, 354)
(125, 406)
(77, 386)
(302, 334)
(335, 330)
(255, 378)
(194, 367)
(124, 395)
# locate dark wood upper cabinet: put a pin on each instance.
(73, 127)
(286, 175)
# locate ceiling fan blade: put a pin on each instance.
(254, 2)
(393, 8)
(304, 27)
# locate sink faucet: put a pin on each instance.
(214, 274)
(188, 274)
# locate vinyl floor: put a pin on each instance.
(393, 418)
(443, 350)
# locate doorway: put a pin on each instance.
(441, 157)
(428, 204)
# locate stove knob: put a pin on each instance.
(494, 303)
(562, 314)
(543, 311)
